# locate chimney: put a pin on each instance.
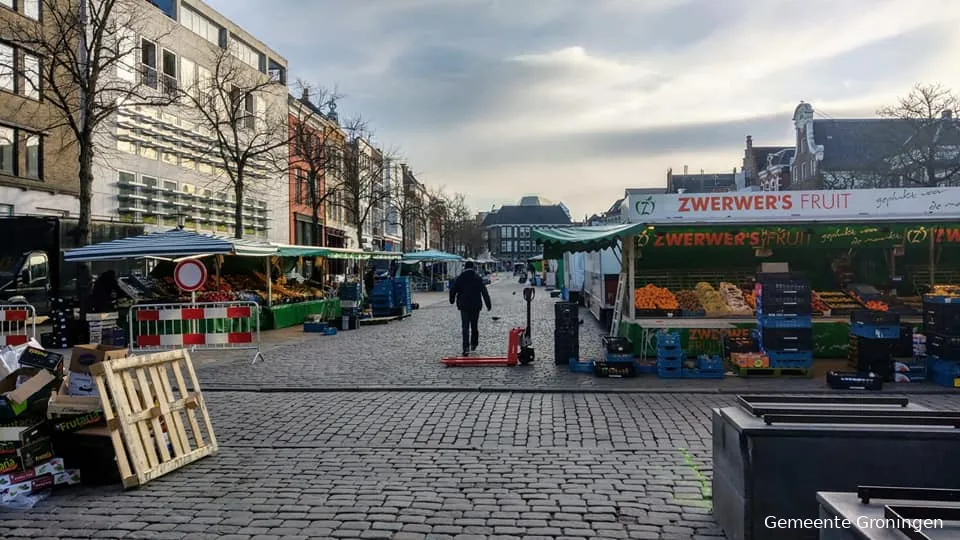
(684, 170)
(947, 114)
(749, 142)
(305, 96)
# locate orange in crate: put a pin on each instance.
(750, 360)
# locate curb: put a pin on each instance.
(508, 390)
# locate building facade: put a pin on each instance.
(393, 204)
(756, 162)
(38, 164)
(163, 170)
(415, 225)
(509, 228)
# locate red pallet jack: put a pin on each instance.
(519, 346)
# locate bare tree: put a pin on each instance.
(87, 70)
(317, 147)
(245, 114)
(930, 136)
(362, 186)
(406, 207)
(437, 215)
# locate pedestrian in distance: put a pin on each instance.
(470, 294)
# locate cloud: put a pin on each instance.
(522, 96)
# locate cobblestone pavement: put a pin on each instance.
(407, 354)
(541, 463)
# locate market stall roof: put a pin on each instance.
(346, 253)
(168, 244)
(289, 250)
(386, 255)
(431, 255)
(562, 240)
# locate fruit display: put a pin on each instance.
(733, 298)
(877, 305)
(952, 291)
(750, 297)
(688, 301)
(652, 297)
(711, 300)
(818, 305)
(838, 302)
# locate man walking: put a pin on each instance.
(470, 294)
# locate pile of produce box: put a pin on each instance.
(941, 328)
(402, 294)
(785, 321)
(651, 300)
(29, 470)
(381, 298)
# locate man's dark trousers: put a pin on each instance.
(470, 318)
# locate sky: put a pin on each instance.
(578, 100)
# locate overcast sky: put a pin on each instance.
(576, 100)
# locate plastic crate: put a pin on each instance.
(792, 359)
(710, 363)
(671, 354)
(315, 327)
(944, 347)
(602, 369)
(941, 318)
(616, 344)
(668, 340)
(853, 381)
(937, 299)
(669, 362)
(701, 374)
(779, 321)
(785, 339)
(619, 358)
(647, 368)
(576, 366)
(870, 331)
(665, 372)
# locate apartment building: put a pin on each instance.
(393, 204)
(414, 227)
(317, 145)
(364, 169)
(38, 164)
(162, 170)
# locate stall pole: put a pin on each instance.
(216, 264)
(269, 284)
(933, 257)
(632, 266)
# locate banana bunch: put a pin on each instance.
(711, 300)
(733, 297)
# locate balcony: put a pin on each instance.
(148, 76)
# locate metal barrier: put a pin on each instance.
(201, 326)
(18, 324)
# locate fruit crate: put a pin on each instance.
(701, 374)
(670, 362)
(668, 340)
(616, 344)
(790, 360)
(577, 366)
(784, 339)
(740, 344)
(874, 318)
(710, 363)
(669, 372)
(945, 373)
(619, 358)
(941, 318)
(602, 369)
(646, 367)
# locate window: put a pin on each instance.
(7, 80)
(299, 187)
(31, 9)
(31, 76)
(171, 158)
(169, 185)
(7, 151)
(169, 72)
(188, 75)
(6, 209)
(127, 178)
(33, 157)
(247, 54)
(204, 81)
(148, 63)
(7, 3)
(149, 153)
(201, 25)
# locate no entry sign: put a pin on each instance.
(190, 275)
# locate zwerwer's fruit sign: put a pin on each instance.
(786, 206)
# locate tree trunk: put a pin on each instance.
(315, 203)
(84, 235)
(238, 207)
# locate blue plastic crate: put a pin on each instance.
(576, 366)
(871, 331)
(645, 368)
(768, 321)
(710, 363)
(790, 360)
(669, 362)
(669, 372)
(944, 373)
(701, 374)
(619, 358)
(668, 340)
(315, 327)
(670, 353)
(941, 299)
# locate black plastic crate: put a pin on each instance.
(625, 370)
(741, 344)
(903, 347)
(617, 344)
(875, 318)
(774, 287)
(874, 347)
(943, 347)
(853, 381)
(786, 339)
(566, 309)
(941, 318)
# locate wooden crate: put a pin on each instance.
(152, 419)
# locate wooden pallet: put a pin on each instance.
(772, 372)
(153, 421)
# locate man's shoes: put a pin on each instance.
(473, 347)
(465, 353)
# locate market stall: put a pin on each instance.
(440, 267)
(698, 257)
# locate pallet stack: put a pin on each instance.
(566, 334)
(873, 337)
(617, 360)
(670, 355)
(381, 298)
(941, 326)
(349, 294)
(785, 321)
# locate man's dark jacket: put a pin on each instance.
(469, 292)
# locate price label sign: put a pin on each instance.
(190, 275)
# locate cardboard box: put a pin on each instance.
(76, 423)
(82, 385)
(84, 356)
(69, 477)
(63, 404)
(40, 358)
(26, 457)
(15, 399)
(24, 432)
(44, 482)
(54, 466)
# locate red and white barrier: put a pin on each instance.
(214, 325)
(18, 324)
